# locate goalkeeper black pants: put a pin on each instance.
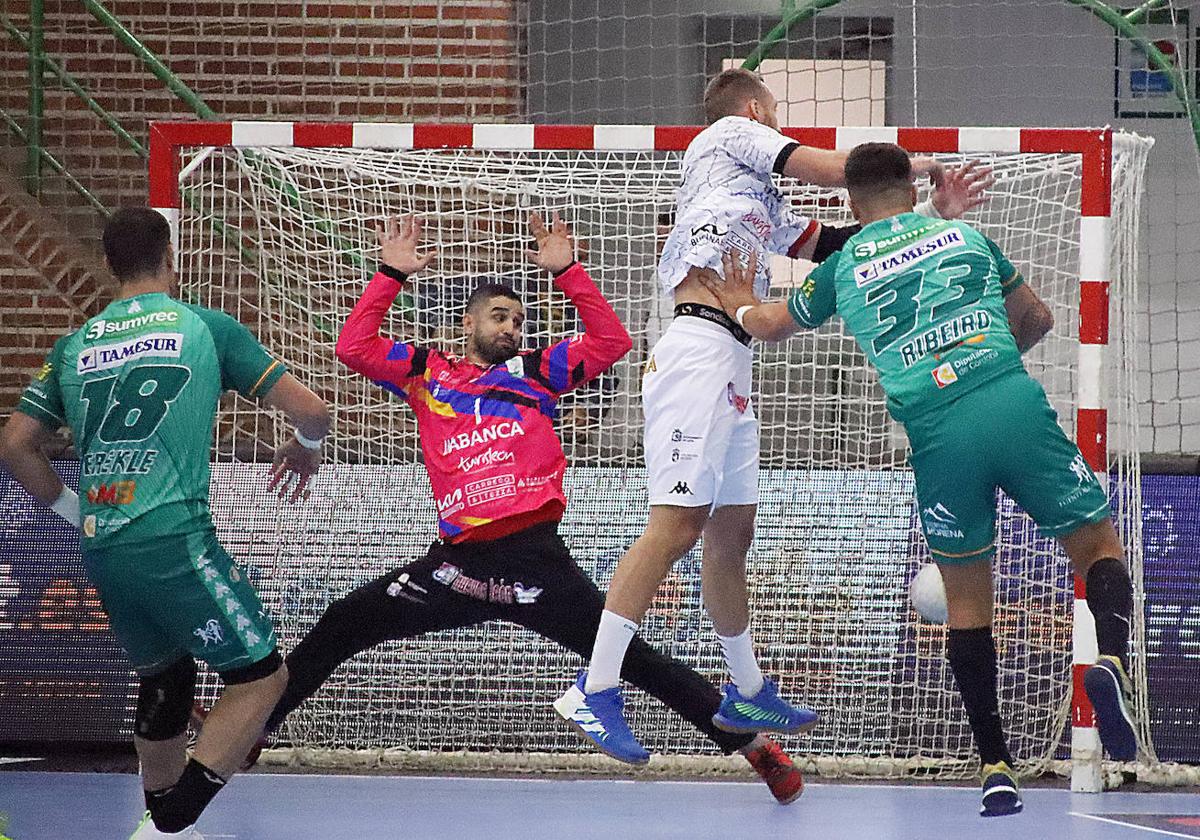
(527, 578)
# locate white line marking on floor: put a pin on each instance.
(1130, 825)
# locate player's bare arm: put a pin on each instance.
(1028, 317)
(764, 321)
(21, 444)
(823, 167)
(297, 459)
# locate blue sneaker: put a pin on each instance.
(598, 718)
(1001, 795)
(764, 712)
(1109, 690)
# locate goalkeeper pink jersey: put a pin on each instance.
(494, 460)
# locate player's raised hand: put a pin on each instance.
(924, 166)
(398, 240)
(737, 289)
(555, 250)
(962, 189)
(294, 467)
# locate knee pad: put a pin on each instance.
(165, 701)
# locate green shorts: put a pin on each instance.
(1002, 434)
(181, 595)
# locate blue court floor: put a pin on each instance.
(89, 806)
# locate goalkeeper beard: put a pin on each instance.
(495, 350)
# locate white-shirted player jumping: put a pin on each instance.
(701, 435)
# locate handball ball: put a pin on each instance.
(928, 594)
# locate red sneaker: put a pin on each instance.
(776, 769)
(196, 722)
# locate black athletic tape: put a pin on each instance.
(781, 159)
(395, 273)
(165, 701)
(831, 240)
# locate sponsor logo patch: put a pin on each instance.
(484, 460)
(940, 522)
(885, 266)
(108, 356)
(491, 489)
(477, 437)
(102, 327)
(944, 375)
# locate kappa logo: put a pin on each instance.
(210, 632)
(525, 594)
(944, 375)
(681, 488)
(1083, 473)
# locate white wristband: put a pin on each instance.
(741, 313)
(926, 208)
(67, 506)
(307, 442)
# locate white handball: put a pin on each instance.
(928, 594)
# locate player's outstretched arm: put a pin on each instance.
(297, 459)
(21, 443)
(764, 321)
(360, 346)
(822, 167)
(573, 361)
(1028, 317)
(961, 189)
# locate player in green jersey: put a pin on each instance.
(138, 387)
(943, 317)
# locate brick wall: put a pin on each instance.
(451, 59)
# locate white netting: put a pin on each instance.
(283, 238)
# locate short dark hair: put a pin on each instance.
(136, 240)
(487, 290)
(875, 169)
(729, 91)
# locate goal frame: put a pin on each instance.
(1093, 145)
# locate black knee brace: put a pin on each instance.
(165, 701)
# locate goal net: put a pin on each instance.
(276, 226)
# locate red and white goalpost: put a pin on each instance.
(274, 222)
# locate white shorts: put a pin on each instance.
(701, 436)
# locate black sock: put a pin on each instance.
(1110, 598)
(180, 805)
(972, 655)
(153, 794)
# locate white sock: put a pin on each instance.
(608, 653)
(743, 667)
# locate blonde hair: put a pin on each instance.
(729, 91)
